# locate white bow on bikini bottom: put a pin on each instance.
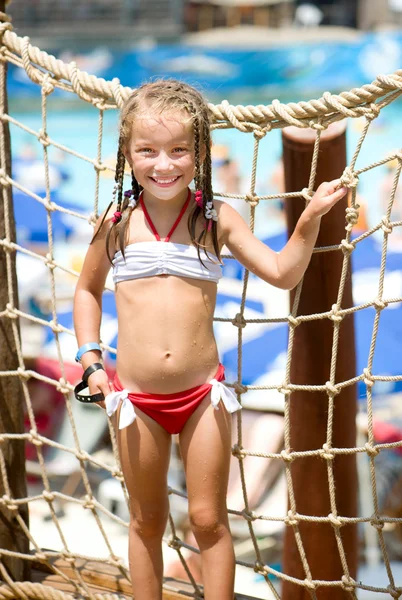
(219, 392)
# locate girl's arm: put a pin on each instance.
(87, 310)
(283, 269)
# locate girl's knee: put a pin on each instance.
(150, 524)
(207, 525)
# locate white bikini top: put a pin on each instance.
(147, 259)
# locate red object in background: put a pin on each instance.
(386, 433)
(48, 403)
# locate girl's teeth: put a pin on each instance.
(165, 180)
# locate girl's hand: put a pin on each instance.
(99, 382)
(326, 196)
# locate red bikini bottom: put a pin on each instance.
(171, 411)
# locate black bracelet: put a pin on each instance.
(88, 398)
(91, 369)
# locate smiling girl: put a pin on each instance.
(164, 242)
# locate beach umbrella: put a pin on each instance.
(31, 222)
(264, 356)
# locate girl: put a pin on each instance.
(164, 244)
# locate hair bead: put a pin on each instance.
(198, 198)
(116, 217)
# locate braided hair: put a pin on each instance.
(161, 96)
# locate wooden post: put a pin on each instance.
(12, 537)
(311, 365)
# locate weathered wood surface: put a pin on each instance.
(104, 578)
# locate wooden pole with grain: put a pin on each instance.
(12, 453)
(311, 366)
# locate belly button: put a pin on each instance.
(167, 355)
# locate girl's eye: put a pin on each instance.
(180, 149)
(146, 150)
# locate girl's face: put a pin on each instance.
(161, 154)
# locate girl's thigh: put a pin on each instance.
(144, 449)
(205, 444)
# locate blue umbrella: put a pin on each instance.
(260, 354)
(31, 222)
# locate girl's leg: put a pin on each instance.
(205, 443)
(144, 449)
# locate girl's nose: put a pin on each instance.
(163, 162)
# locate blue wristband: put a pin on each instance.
(86, 348)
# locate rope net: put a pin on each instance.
(51, 74)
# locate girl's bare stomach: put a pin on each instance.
(166, 342)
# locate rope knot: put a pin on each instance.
(174, 543)
(49, 262)
(55, 326)
(248, 515)
(368, 378)
(92, 218)
(4, 178)
(291, 518)
(23, 373)
(98, 166)
(88, 503)
(347, 247)
(327, 452)
(47, 85)
(10, 311)
(332, 390)
(252, 199)
(44, 140)
(238, 452)
(349, 178)
(62, 386)
(48, 496)
(317, 125)
(380, 304)
(376, 523)
(309, 584)
(287, 457)
(392, 591)
(374, 111)
(335, 522)
(239, 321)
(372, 451)
(34, 438)
(386, 225)
(348, 583)
(260, 568)
(334, 314)
(293, 321)
(283, 389)
(306, 194)
(261, 132)
(239, 388)
(81, 455)
(10, 503)
(352, 215)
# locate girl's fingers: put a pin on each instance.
(335, 196)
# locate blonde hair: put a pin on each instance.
(161, 97)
